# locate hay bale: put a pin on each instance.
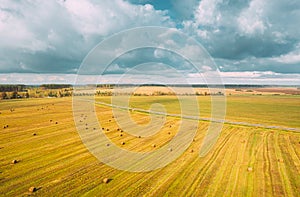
(170, 149)
(107, 144)
(109, 120)
(103, 128)
(50, 120)
(105, 180)
(249, 169)
(153, 145)
(122, 143)
(34, 134)
(118, 129)
(191, 151)
(107, 129)
(169, 133)
(14, 161)
(121, 135)
(121, 131)
(32, 189)
(56, 122)
(139, 136)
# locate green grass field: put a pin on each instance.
(57, 163)
(280, 110)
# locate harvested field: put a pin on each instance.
(274, 90)
(246, 161)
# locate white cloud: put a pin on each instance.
(290, 58)
(263, 78)
(248, 74)
(115, 68)
(111, 16)
(36, 78)
(260, 78)
(208, 12)
(192, 51)
(64, 31)
(254, 35)
(159, 53)
(14, 31)
(251, 19)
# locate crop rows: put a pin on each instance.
(246, 161)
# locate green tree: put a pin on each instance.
(4, 95)
(14, 95)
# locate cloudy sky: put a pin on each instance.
(251, 41)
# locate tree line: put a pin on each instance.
(12, 88)
(23, 91)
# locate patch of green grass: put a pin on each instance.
(271, 110)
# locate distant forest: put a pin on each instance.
(55, 86)
(11, 91)
(12, 88)
(23, 88)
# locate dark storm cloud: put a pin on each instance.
(242, 35)
(240, 46)
(134, 58)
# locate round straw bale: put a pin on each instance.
(105, 180)
(32, 189)
(14, 161)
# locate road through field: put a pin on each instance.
(196, 117)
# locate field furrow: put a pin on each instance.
(245, 161)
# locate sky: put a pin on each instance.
(251, 41)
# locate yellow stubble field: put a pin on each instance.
(40, 134)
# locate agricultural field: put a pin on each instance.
(41, 136)
(280, 110)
